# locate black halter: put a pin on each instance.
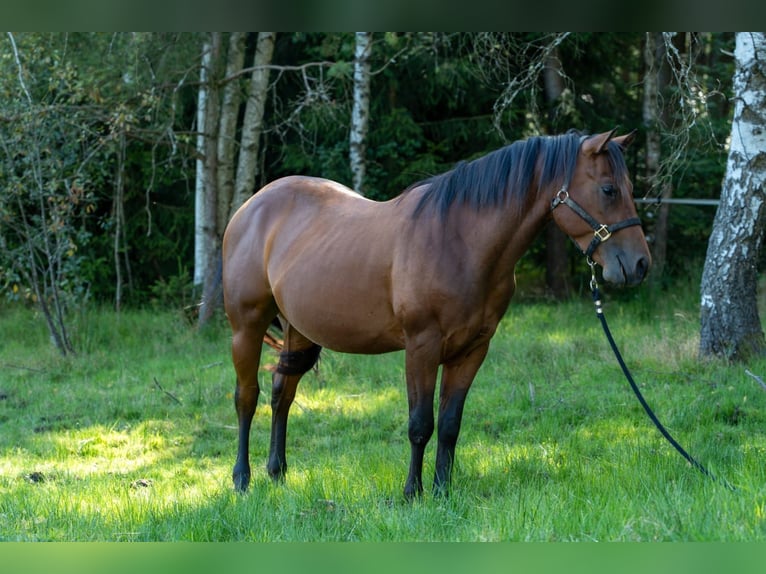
(601, 232)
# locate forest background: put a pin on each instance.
(105, 172)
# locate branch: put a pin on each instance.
(21, 367)
(169, 394)
(758, 379)
(18, 64)
(278, 68)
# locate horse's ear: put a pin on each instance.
(594, 145)
(624, 141)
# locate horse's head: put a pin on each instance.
(597, 210)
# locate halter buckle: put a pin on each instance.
(602, 233)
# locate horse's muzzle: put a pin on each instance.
(624, 270)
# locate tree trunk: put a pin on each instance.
(210, 181)
(200, 251)
(227, 131)
(252, 125)
(655, 81)
(221, 194)
(730, 324)
(361, 110)
(557, 273)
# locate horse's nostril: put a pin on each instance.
(642, 266)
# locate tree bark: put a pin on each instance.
(227, 131)
(655, 82)
(252, 125)
(557, 273)
(200, 251)
(210, 181)
(361, 110)
(729, 320)
(219, 192)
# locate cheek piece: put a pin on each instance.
(601, 232)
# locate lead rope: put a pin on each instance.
(636, 391)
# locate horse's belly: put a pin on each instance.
(342, 316)
(365, 331)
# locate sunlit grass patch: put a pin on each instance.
(135, 438)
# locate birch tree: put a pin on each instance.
(201, 249)
(207, 187)
(361, 108)
(730, 324)
(252, 125)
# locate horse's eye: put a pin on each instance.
(609, 190)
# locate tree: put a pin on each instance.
(730, 324)
(361, 110)
(253, 122)
(50, 147)
(655, 118)
(71, 104)
(557, 275)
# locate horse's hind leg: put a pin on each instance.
(247, 341)
(299, 356)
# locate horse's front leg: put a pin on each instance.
(457, 377)
(422, 364)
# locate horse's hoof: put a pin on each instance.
(241, 481)
(412, 492)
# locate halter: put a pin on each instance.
(601, 232)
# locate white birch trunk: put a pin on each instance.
(361, 110)
(252, 125)
(210, 183)
(729, 320)
(200, 251)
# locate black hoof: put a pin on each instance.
(241, 481)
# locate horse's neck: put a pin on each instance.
(508, 238)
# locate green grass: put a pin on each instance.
(134, 439)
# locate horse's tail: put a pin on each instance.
(272, 339)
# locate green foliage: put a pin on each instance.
(436, 100)
(135, 441)
(71, 104)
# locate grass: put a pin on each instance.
(134, 438)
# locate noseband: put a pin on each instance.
(601, 232)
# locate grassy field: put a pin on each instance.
(134, 439)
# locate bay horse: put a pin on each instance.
(430, 271)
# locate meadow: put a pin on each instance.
(134, 438)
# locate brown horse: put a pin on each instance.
(430, 272)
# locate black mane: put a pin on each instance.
(508, 173)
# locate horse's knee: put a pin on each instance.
(246, 398)
(421, 427)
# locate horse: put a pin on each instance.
(430, 271)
